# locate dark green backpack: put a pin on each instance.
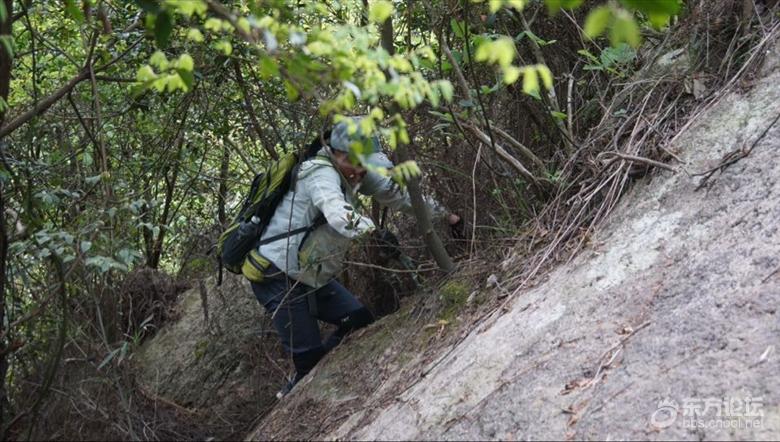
(236, 247)
(267, 190)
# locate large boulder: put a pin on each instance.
(220, 362)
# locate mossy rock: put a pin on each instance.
(453, 296)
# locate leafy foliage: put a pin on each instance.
(169, 107)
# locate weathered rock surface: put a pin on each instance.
(673, 304)
(221, 371)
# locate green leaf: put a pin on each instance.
(86, 159)
(597, 21)
(458, 28)
(3, 12)
(145, 73)
(243, 25)
(195, 35)
(185, 62)
(530, 81)
(446, 89)
(621, 54)
(268, 68)
(213, 24)
(500, 51)
(553, 6)
(187, 78)
(558, 115)
(109, 357)
(319, 48)
(159, 60)
(586, 53)
(379, 11)
(73, 11)
(224, 46)
(189, 7)
(292, 91)
(150, 6)
(661, 7)
(511, 74)
(625, 29)
(85, 246)
(547, 76)
(659, 20)
(163, 26)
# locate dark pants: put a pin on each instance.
(295, 319)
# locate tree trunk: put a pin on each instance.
(6, 61)
(421, 213)
(223, 186)
(251, 111)
(153, 260)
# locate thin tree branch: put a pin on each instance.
(250, 109)
(43, 105)
(521, 147)
(512, 161)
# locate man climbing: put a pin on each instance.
(299, 286)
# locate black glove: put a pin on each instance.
(387, 244)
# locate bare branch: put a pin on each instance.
(521, 147)
(251, 111)
(512, 161)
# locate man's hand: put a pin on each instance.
(457, 226)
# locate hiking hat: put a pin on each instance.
(341, 139)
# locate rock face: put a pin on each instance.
(221, 371)
(666, 327)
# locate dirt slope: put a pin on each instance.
(674, 300)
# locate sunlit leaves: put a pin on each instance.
(531, 77)
(145, 74)
(495, 5)
(379, 10)
(216, 25)
(195, 35)
(554, 5)
(268, 67)
(500, 51)
(445, 88)
(188, 7)
(597, 21)
(159, 60)
(223, 46)
(654, 6)
(405, 171)
(622, 24)
(624, 29)
(178, 76)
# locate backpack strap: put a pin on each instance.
(320, 220)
